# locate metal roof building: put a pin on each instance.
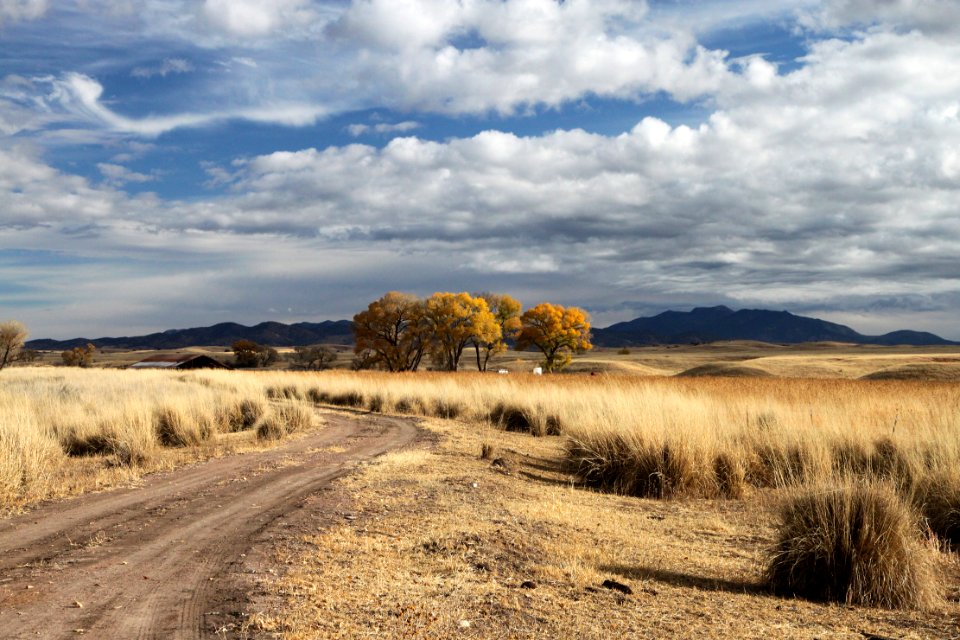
(179, 361)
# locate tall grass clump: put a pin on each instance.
(856, 544)
(648, 467)
(284, 420)
(937, 498)
(176, 427)
(242, 414)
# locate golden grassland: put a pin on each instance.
(445, 544)
(65, 431)
(810, 360)
(688, 472)
(632, 435)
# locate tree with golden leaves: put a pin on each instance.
(391, 332)
(12, 336)
(455, 320)
(557, 331)
(506, 311)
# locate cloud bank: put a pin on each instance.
(827, 188)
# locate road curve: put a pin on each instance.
(151, 562)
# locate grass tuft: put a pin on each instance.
(175, 427)
(347, 399)
(284, 420)
(511, 418)
(858, 544)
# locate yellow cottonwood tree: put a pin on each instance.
(556, 331)
(392, 331)
(506, 310)
(455, 320)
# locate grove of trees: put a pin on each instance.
(248, 353)
(396, 331)
(314, 357)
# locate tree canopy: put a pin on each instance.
(12, 336)
(454, 320)
(391, 332)
(398, 330)
(557, 331)
(506, 312)
(248, 353)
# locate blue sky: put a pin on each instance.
(171, 163)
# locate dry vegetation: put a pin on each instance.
(66, 431)
(723, 445)
(442, 543)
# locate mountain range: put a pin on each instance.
(703, 324)
(710, 324)
(223, 334)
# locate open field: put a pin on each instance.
(812, 360)
(666, 484)
(442, 544)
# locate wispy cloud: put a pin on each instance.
(80, 97)
(168, 66)
(357, 130)
(119, 175)
(16, 10)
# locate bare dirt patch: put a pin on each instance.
(169, 559)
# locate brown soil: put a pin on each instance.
(173, 558)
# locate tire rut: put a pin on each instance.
(157, 568)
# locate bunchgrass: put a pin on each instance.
(858, 543)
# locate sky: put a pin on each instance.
(176, 163)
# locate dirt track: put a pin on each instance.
(161, 560)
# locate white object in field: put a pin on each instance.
(502, 371)
(538, 371)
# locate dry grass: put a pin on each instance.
(441, 543)
(451, 538)
(703, 437)
(66, 431)
(855, 544)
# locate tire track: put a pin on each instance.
(168, 546)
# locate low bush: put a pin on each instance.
(857, 544)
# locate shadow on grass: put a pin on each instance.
(552, 482)
(680, 579)
(543, 464)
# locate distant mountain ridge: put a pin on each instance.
(710, 324)
(274, 334)
(703, 324)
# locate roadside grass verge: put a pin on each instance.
(66, 431)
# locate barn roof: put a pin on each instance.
(177, 360)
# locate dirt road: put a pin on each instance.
(160, 560)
